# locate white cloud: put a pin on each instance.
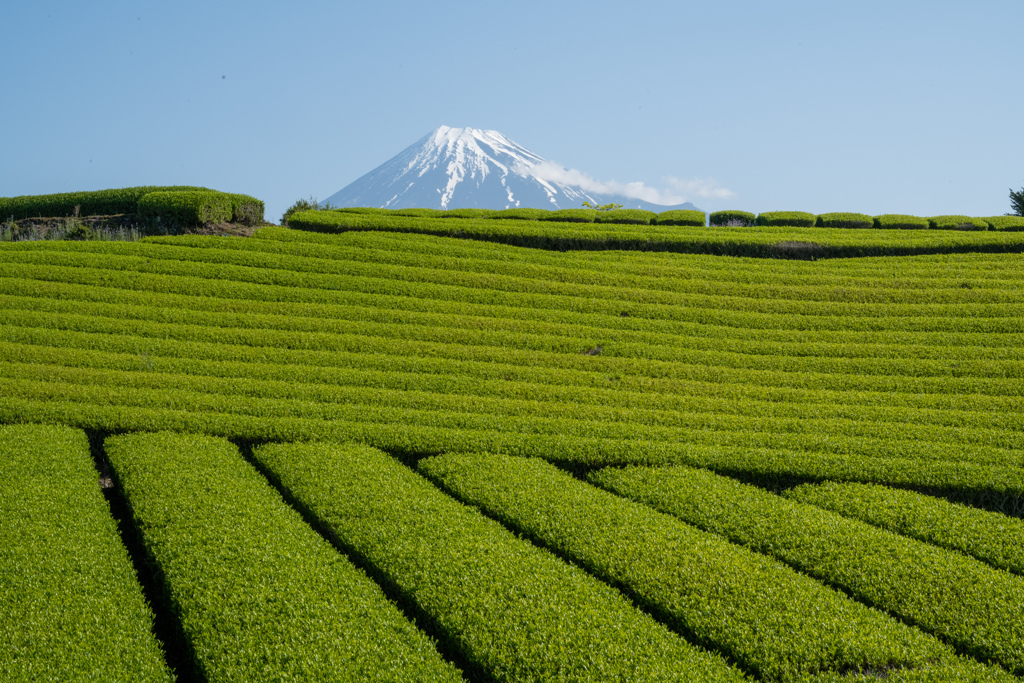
(678, 191)
(705, 188)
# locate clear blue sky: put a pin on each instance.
(873, 106)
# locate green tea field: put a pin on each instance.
(394, 447)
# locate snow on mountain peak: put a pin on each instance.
(467, 168)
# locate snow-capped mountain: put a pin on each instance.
(456, 168)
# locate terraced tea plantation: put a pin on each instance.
(410, 451)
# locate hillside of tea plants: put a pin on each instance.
(385, 447)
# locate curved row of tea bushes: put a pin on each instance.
(477, 413)
(258, 593)
(71, 607)
(995, 487)
(941, 393)
(478, 386)
(631, 353)
(515, 612)
(990, 537)
(766, 241)
(96, 203)
(817, 367)
(269, 262)
(667, 268)
(772, 621)
(978, 609)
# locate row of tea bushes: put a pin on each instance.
(765, 241)
(997, 487)
(259, 595)
(864, 221)
(513, 611)
(992, 538)
(71, 607)
(582, 215)
(774, 622)
(961, 600)
(684, 217)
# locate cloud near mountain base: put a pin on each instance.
(678, 191)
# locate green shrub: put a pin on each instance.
(957, 223)
(96, 203)
(259, 594)
(468, 213)
(305, 205)
(571, 216)
(626, 217)
(732, 218)
(185, 209)
(680, 217)
(781, 626)
(521, 214)
(514, 611)
(418, 213)
(845, 220)
(1014, 223)
(796, 219)
(72, 607)
(366, 210)
(895, 221)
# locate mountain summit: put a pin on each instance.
(457, 168)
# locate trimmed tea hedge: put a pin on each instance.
(988, 536)
(468, 213)
(571, 216)
(245, 209)
(258, 593)
(626, 217)
(183, 209)
(962, 601)
(732, 218)
(957, 223)
(763, 242)
(71, 607)
(772, 621)
(845, 220)
(520, 214)
(515, 612)
(680, 217)
(96, 203)
(892, 221)
(418, 213)
(1005, 222)
(796, 219)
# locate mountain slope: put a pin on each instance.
(470, 168)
